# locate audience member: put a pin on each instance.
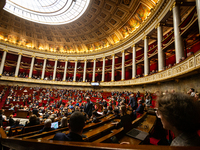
(47, 126)
(76, 124)
(180, 114)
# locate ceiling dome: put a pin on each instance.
(53, 12)
(104, 24)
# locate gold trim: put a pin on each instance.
(112, 80)
(32, 56)
(146, 75)
(122, 79)
(5, 50)
(45, 57)
(41, 79)
(113, 55)
(16, 76)
(122, 51)
(94, 59)
(0, 74)
(63, 80)
(83, 81)
(29, 77)
(20, 54)
(133, 77)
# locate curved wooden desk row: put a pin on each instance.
(24, 144)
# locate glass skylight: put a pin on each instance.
(53, 12)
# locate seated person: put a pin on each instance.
(47, 126)
(17, 124)
(63, 122)
(140, 108)
(94, 117)
(180, 113)
(33, 120)
(76, 124)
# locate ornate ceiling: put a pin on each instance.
(105, 23)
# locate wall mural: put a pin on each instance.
(132, 24)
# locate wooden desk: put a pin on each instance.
(88, 126)
(146, 126)
(22, 113)
(91, 134)
(7, 112)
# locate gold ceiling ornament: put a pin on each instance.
(127, 2)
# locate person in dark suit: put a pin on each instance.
(47, 126)
(133, 102)
(76, 124)
(88, 107)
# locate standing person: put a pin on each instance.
(133, 102)
(180, 113)
(88, 107)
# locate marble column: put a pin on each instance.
(161, 60)
(134, 71)
(3, 61)
(65, 71)
(75, 68)
(44, 67)
(179, 49)
(103, 70)
(94, 69)
(31, 69)
(123, 65)
(113, 68)
(198, 12)
(84, 71)
(146, 59)
(55, 67)
(18, 64)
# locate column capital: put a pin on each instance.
(45, 57)
(159, 24)
(122, 51)
(32, 56)
(174, 4)
(5, 50)
(56, 59)
(20, 54)
(145, 37)
(104, 57)
(85, 59)
(76, 60)
(113, 55)
(94, 59)
(134, 45)
(66, 59)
